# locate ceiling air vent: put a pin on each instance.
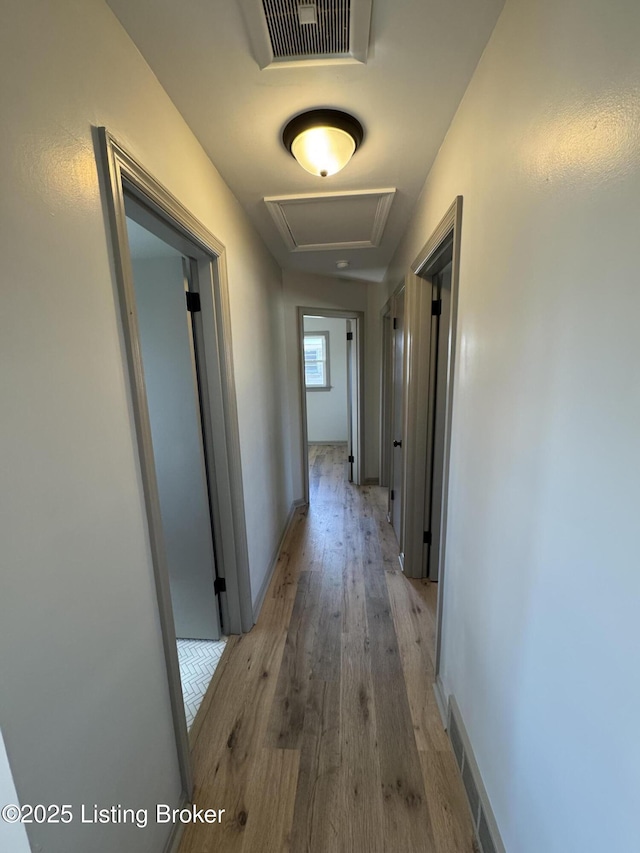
(286, 33)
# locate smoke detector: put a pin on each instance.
(288, 33)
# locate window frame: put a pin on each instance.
(327, 374)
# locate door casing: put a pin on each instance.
(122, 173)
(398, 418)
(357, 318)
(386, 387)
(418, 320)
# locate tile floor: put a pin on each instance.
(198, 660)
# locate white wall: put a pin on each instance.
(314, 291)
(84, 705)
(542, 583)
(327, 410)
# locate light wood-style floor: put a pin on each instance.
(320, 732)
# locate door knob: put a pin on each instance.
(397, 443)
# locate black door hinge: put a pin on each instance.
(436, 308)
(393, 494)
(193, 301)
(349, 336)
(219, 585)
(426, 537)
(351, 459)
(395, 322)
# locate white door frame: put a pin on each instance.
(124, 174)
(358, 317)
(386, 385)
(418, 321)
(398, 403)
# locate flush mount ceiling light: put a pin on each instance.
(323, 141)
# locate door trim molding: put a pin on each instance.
(123, 173)
(393, 307)
(448, 229)
(386, 384)
(358, 316)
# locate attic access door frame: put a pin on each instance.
(124, 175)
(356, 403)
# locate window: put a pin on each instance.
(316, 361)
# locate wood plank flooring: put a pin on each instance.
(320, 733)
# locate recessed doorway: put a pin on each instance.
(331, 394)
(176, 343)
(164, 287)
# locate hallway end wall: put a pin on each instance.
(542, 585)
(79, 608)
(327, 410)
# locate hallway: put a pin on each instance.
(322, 732)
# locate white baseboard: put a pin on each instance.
(441, 701)
(320, 443)
(257, 607)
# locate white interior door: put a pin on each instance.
(168, 358)
(397, 456)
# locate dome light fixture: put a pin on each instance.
(323, 141)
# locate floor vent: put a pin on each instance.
(484, 823)
(286, 33)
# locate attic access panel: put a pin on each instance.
(289, 33)
(328, 221)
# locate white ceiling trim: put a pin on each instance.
(282, 207)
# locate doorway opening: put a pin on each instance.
(418, 359)
(167, 293)
(386, 409)
(331, 394)
(173, 293)
(392, 412)
(434, 300)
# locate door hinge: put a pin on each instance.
(395, 322)
(351, 459)
(219, 585)
(436, 308)
(393, 494)
(426, 537)
(349, 336)
(193, 301)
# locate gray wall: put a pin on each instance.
(542, 583)
(177, 444)
(327, 410)
(84, 705)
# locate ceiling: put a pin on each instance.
(422, 54)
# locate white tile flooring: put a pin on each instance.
(198, 661)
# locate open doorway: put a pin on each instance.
(167, 300)
(331, 383)
(176, 338)
(433, 295)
